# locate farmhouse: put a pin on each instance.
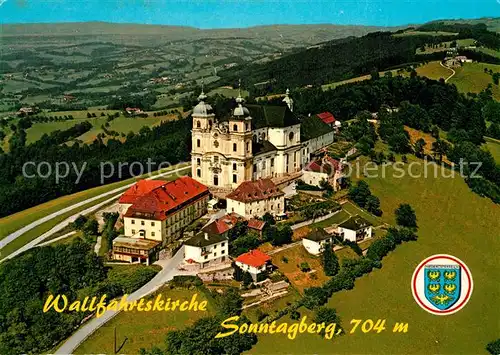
(355, 229)
(255, 262)
(254, 142)
(256, 198)
(134, 250)
(161, 213)
(315, 241)
(325, 168)
(222, 226)
(206, 248)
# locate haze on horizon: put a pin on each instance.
(245, 13)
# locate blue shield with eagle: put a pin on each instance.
(442, 285)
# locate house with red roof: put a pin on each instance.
(256, 198)
(160, 213)
(327, 118)
(325, 168)
(224, 225)
(139, 189)
(255, 262)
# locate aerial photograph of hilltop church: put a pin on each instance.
(246, 177)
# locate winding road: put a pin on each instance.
(452, 74)
(166, 274)
(115, 192)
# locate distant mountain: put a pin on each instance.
(493, 23)
(296, 35)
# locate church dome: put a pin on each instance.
(240, 110)
(202, 109)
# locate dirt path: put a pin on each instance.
(452, 74)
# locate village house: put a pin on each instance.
(325, 168)
(255, 262)
(205, 249)
(223, 226)
(355, 229)
(315, 241)
(27, 111)
(134, 250)
(163, 212)
(256, 198)
(133, 111)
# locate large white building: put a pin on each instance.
(205, 248)
(254, 142)
(355, 229)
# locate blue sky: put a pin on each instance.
(244, 13)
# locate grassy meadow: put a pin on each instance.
(452, 220)
(471, 78)
(136, 330)
(493, 145)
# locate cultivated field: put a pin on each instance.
(472, 78)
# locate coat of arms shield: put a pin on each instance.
(442, 285)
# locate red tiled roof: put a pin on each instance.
(250, 191)
(327, 165)
(132, 109)
(254, 258)
(223, 224)
(141, 188)
(164, 200)
(256, 224)
(327, 117)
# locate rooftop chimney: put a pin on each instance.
(206, 236)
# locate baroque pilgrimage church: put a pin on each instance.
(255, 142)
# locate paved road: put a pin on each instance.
(13, 236)
(452, 74)
(166, 274)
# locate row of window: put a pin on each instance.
(215, 254)
(216, 145)
(143, 223)
(235, 126)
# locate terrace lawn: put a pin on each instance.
(143, 329)
(452, 220)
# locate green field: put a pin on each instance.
(472, 78)
(15, 221)
(228, 92)
(493, 146)
(434, 70)
(422, 33)
(143, 329)
(452, 220)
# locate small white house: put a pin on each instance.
(315, 242)
(355, 229)
(205, 248)
(255, 262)
(325, 168)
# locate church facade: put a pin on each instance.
(255, 142)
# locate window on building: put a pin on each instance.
(215, 254)
(222, 252)
(272, 162)
(206, 257)
(198, 124)
(255, 168)
(198, 143)
(235, 127)
(247, 126)
(152, 234)
(235, 147)
(216, 159)
(133, 231)
(142, 223)
(198, 161)
(235, 178)
(133, 221)
(198, 172)
(234, 166)
(263, 165)
(152, 224)
(216, 180)
(223, 244)
(248, 147)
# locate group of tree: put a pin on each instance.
(167, 143)
(199, 338)
(329, 260)
(73, 270)
(361, 195)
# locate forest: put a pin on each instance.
(344, 59)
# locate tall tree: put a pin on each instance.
(329, 260)
(405, 216)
